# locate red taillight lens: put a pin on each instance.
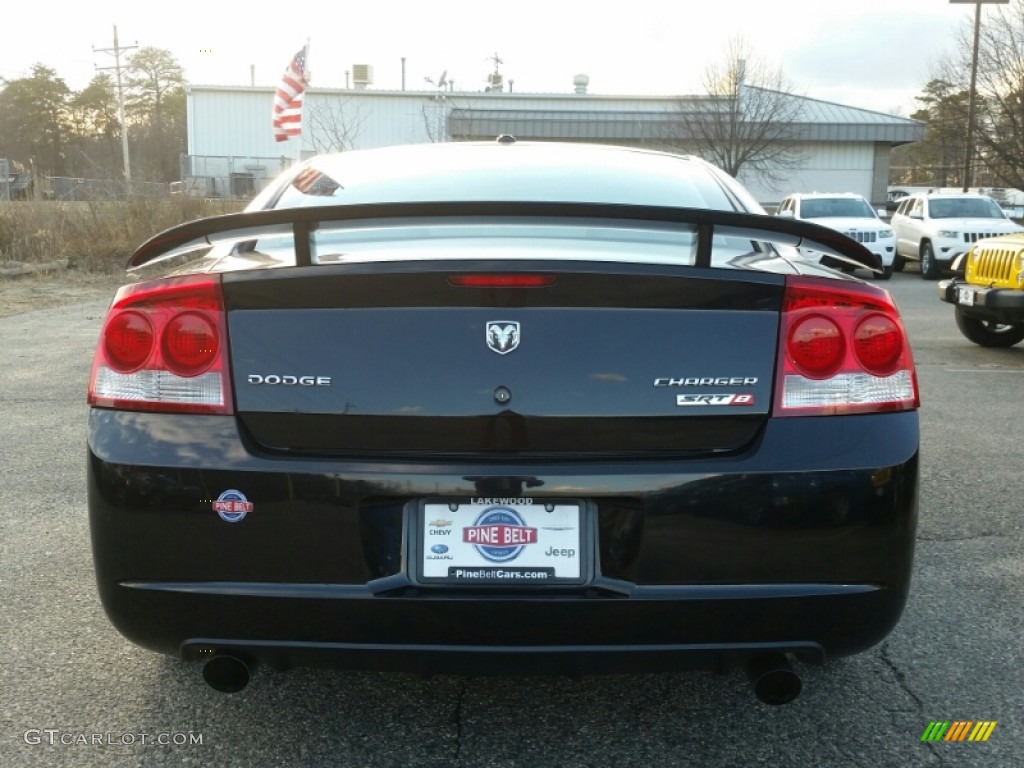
(816, 346)
(164, 348)
(190, 343)
(128, 341)
(843, 350)
(878, 344)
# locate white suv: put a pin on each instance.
(849, 214)
(937, 227)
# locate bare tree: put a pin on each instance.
(437, 112)
(999, 127)
(435, 119)
(746, 121)
(335, 127)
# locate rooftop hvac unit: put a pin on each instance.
(362, 75)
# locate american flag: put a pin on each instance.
(305, 179)
(312, 182)
(287, 116)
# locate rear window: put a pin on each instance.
(548, 174)
(524, 239)
(493, 238)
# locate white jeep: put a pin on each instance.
(847, 213)
(937, 227)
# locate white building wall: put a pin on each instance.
(827, 167)
(234, 122)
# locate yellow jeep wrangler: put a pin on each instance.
(989, 299)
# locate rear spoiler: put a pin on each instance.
(302, 222)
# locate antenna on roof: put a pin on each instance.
(495, 80)
(441, 82)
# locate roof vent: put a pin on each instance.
(506, 138)
(580, 83)
(362, 75)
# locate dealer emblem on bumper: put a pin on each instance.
(232, 506)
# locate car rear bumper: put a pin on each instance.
(453, 659)
(581, 633)
(803, 544)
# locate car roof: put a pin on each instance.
(820, 195)
(933, 195)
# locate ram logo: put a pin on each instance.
(502, 336)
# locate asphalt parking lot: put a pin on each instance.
(76, 693)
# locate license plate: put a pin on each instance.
(501, 541)
(965, 295)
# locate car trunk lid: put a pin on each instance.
(393, 359)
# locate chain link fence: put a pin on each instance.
(26, 185)
(228, 176)
(74, 188)
(13, 185)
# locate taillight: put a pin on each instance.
(128, 341)
(163, 347)
(878, 343)
(816, 345)
(190, 343)
(843, 349)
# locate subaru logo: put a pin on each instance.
(439, 549)
(502, 335)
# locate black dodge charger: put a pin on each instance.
(502, 407)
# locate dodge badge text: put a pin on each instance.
(290, 381)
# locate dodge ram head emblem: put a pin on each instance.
(502, 336)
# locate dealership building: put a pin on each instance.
(232, 151)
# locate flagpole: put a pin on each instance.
(302, 109)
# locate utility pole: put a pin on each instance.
(117, 50)
(972, 95)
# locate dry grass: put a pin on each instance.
(53, 289)
(92, 236)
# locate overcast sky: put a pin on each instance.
(874, 54)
